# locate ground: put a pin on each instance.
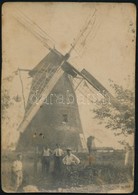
(102, 176)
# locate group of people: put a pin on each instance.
(59, 159)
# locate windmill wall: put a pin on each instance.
(57, 121)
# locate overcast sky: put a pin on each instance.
(109, 51)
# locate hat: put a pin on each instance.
(19, 154)
(68, 149)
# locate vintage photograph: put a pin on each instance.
(68, 97)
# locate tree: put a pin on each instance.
(5, 102)
(120, 122)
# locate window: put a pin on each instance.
(65, 118)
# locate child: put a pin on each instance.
(17, 170)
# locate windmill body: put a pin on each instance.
(57, 119)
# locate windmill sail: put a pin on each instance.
(84, 74)
(45, 76)
(41, 75)
(97, 85)
(35, 29)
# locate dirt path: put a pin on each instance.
(108, 188)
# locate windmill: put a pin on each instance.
(49, 118)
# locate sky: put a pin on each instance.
(108, 53)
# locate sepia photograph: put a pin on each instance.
(68, 97)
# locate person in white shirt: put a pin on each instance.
(71, 163)
(58, 151)
(17, 169)
(127, 154)
(58, 155)
(70, 159)
(46, 157)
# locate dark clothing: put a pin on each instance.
(46, 159)
(89, 144)
(71, 175)
(57, 165)
(45, 164)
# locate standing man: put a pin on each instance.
(17, 169)
(70, 159)
(91, 148)
(70, 173)
(129, 156)
(46, 157)
(90, 143)
(58, 154)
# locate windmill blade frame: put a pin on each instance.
(97, 85)
(35, 29)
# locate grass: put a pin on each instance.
(107, 170)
